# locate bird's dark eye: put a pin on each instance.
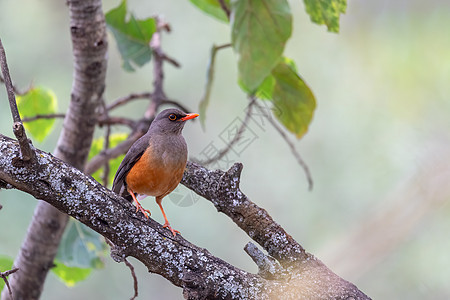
(172, 117)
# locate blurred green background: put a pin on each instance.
(378, 147)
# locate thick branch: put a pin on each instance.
(89, 44)
(199, 273)
(222, 189)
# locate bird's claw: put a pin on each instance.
(146, 212)
(174, 232)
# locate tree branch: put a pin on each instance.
(133, 274)
(176, 104)
(269, 268)
(18, 129)
(223, 187)
(39, 117)
(107, 120)
(124, 100)
(204, 101)
(4, 276)
(200, 274)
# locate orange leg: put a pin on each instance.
(166, 223)
(146, 212)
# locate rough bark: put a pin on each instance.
(89, 42)
(289, 272)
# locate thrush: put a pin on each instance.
(155, 163)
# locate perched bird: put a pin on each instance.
(155, 163)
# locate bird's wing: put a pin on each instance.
(132, 156)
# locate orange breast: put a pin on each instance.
(155, 176)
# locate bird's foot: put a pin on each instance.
(146, 212)
(174, 232)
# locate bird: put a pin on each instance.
(155, 163)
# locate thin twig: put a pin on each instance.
(225, 8)
(204, 102)
(121, 257)
(128, 98)
(102, 121)
(39, 117)
(235, 138)
(176, 104)
(137, 96)
(291, 146)
(156, 44)
(133, 274)
(223, 46)
(170, 60)
(28, 153)
(4, 275)
(9, 85)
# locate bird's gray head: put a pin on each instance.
(170, 121)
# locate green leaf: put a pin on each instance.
(293, 100)
(81, 250)
(326, 12)
(70, 275)
(132, 36)
(97, 147)
(81, 247)
(212, 8)
(6, 263)
(265, 90)
(37, 101)
(260, 29)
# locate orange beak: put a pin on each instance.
(189, 116)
